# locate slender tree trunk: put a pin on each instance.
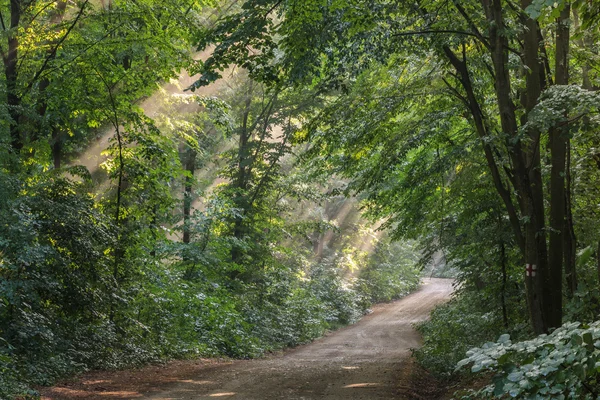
(118, 254)
(11, 74)
(55, 142)
(598, 261)
(558, 152)
(118, 203)
(118, 251)
(503, 288)
(242, 178)
(190, 167)
(585, 41)
(56, 147)
(570, 238)
(154, 226)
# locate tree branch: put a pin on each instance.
(456, 93)
(472, 25)
(40, 12)
(84, 50)
(52, 53)
(433, 31)
(2, 21)
(482, 130)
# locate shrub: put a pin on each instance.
(562, 365)
(454, 328)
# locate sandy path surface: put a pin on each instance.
(367, 360)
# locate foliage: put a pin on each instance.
(468, 126)
(390, 272)
(456, 327)
(94, 276)
(53, 244)
(562, 365)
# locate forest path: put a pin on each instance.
(367, 360)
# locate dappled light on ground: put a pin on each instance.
(362, 385)
(137, 383)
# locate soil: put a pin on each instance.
(368, 360)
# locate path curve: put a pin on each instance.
(367, 360)
(361, 361)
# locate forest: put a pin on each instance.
(207, 178)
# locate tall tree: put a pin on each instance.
(480, 50)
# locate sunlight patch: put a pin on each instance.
(362, 385)
(195, 382)
(129, 395)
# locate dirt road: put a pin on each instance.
(363, 361)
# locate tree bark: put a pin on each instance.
(242, 177)
(558, 152)
(190, 167)
(532, 190)
(598, 261)
(570, 238)
(483, 132)
(504, 281)
(525, 158)
(56, 147)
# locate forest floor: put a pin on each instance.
(368, 360)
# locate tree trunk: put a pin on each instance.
(525, 158)
(558, 152)
(483, 132)
(598, 261)
(242, 178)
(11, 74)
(56, 147)
(190, 167)
(504, 280)
(570, 238)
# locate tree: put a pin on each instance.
(479, 50)
(54, 49)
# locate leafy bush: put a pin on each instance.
(562, 365)
(454, 328)
(585, 303)
(390, 272)
(11, 384)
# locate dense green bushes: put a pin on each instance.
(122, 271)
(380, 279)
(456, 327)
(467, 337)
(562, 365)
